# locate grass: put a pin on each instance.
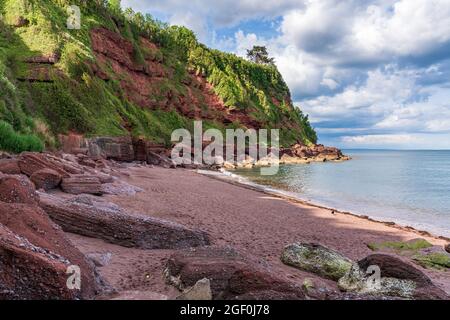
(440, 261)
(79, 102)
(12, 141)
(401, 246)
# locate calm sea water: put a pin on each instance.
(409, 187)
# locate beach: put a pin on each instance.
(255, 223)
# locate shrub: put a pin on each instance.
(12, 141)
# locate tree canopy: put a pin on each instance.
(259, 54)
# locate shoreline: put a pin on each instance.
(223, 176)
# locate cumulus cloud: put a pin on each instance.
(366, 71)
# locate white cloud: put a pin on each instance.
(376, 67)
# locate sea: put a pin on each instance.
(411, 188)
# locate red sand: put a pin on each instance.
(253, 222)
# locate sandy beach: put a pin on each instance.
(254, 223)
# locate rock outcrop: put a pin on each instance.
(9, 166)
(231, 275)
(317, 259)
(95, 218)
(29, 272)
(46, 179)
(298, 153)
(30, 162)
(17, 189)
(397, 278)
(115, 148)
(81, 184)
(35, 255)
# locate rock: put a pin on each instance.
(231, 275)
(35, 254)
(80, 184)
(140, 295)
(317, 259)
(120, 188)
(116, 148)
(100, 259)
(46, 179)
(92, 217)
(159, 160)
(104, 178)
(17, 189)
(30, 272)
(397, 278)
(85, 161)
(201, 291)
(30, 162)
(447, 247)
(71, 143)
(9, 166)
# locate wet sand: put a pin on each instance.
(255, 223)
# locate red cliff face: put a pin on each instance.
(148, 84)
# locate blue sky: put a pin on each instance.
(371, 74)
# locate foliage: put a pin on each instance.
(16, 142)
(440, 261)
(259, 54)
(80, 102)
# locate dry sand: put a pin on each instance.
(253, 222)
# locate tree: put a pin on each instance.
(260, 55)
(115, 5)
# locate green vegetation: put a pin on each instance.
(440, 261)
(15, 142)
(414, 245)
(259, 54)
(75, 100)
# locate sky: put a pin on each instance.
(370, 73)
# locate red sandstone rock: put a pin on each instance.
(17, 189)
(46, 179)
(79, 184)
(29, 163)
(30, 272)
(93, 217)
(35, 254)
(231, 275)
(9, 166)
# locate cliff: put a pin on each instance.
(126, 74)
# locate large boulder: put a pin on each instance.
(315, 258)
(17, 189)
(447, 247)
(79, 184)
(231, 275)
(30, 162)
(35, 255)
(29, 272)
(396, 278)
(46, 179)
(9, 166)
(93, 217)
